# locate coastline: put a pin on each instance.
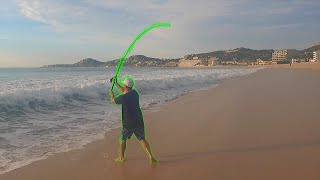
(184, 139)
(104, 115)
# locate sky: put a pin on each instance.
(34, 33)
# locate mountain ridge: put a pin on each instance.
(241, 54)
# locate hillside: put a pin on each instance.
(311, 49)
(144, 61)
(89, 62)
(308, 52)
(238, 54)
(135, 60)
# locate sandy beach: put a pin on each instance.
(302, 65)
(259, 126)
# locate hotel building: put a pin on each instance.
(282, 55)
(316, 55)
(279, 55)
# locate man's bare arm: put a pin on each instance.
(118, 85)
(111, 94)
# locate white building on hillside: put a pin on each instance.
(212, 61)
(316, 56)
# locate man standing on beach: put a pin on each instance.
(132, 119)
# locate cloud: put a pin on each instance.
(196, 24)
(52, 13)
(7, 9)
(114, 15)
(117, 22)
(66, 15)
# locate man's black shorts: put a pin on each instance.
(138, 132)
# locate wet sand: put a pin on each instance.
(260, 126)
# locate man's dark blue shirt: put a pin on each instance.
(131, 112)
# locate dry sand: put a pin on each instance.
(303, 65)
(262, 126)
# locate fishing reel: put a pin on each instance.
(111, 79)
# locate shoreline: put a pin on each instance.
(154, 107)
(71, 164)
(151, 108)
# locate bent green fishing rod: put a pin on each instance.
(126, 53)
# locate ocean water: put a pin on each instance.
(44, 111)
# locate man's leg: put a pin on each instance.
(122, 150)
(145, 144)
